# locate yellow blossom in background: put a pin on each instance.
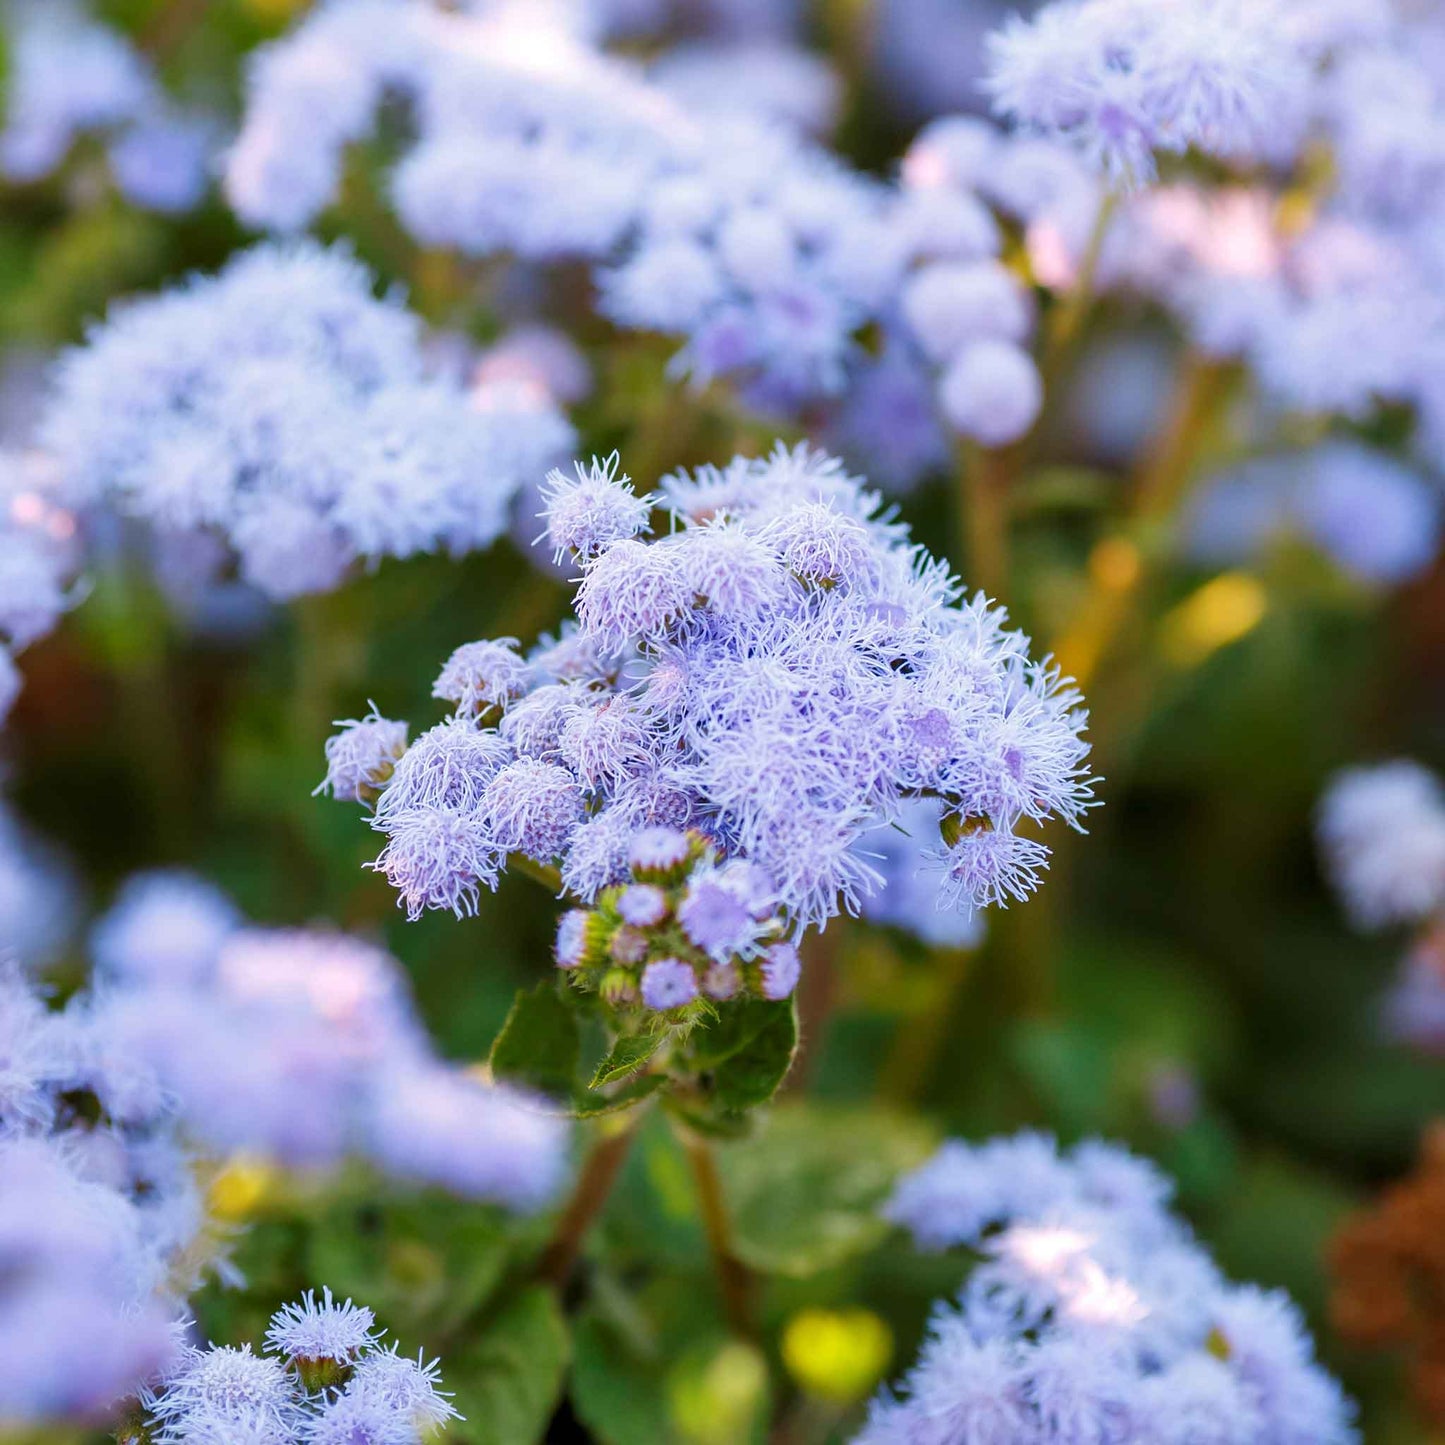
(1222, 611)
(241, 1187)
(837, 1355)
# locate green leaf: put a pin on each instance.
(731, 1030)
(424, 1263)
(539, 1044)
(804, 1191)
(589, 1104)
(751, 1074)
(510, 1380)
(626, 1057)
(618, 1389)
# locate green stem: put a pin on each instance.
(549, 876)
(1122, 567)
(735, 1280)
(985, 483)
(595, 1182)
(1066, 325)
(916, 1048)
(328, 656)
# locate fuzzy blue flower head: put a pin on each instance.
(1125, 79)
(749, 694)
(1092, 1314)
(285, 409)
(361, 757)
(321, 1340)
(304, 1046)
(588, 512)
(324, 1378)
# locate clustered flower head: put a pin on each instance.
(323, 1378)
(100, 1216)
(38, 560)
(302, 1046)
(684, 927)
(781, 671)
(283, 407)
(527, 138)
(1092, 1314)
(1378, 519)
(69, 76)
(1125, 79)
(1382, 837)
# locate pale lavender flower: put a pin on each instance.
(904, 853)
(538, 357)
(658, 851)
(790, 672)
(780, 968)
(480, 676)
(989, 866)
(361, 757)
(1381, 833)
(1093, 1314)
(587, 513)
(309, 1330)
(286, 408)
(668, 983)
(67, 75)
(644, 904)
(532, 807)
(304, 1046)
(438, 1125)
(1412, 1011)
(342, 1388)
(163, 161)
(38, 558)
(571, 942)
(948, 306)
(720, 912)
(436, 857)
(164, 928)
(1124, 79)
(764, 79)
(992, 392)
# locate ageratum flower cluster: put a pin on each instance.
(1381, 832)
(303, 1046)
(322, 1378)
(684, 927)
(781, 670)
(100, 1216)
(281, 406)
(69, 76)
(1092, 1315)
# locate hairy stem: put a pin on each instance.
(735, 1281)
(589, 1196)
